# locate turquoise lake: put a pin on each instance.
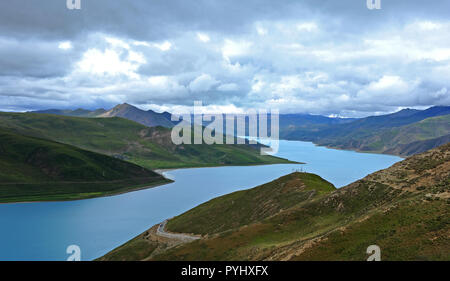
(43, 231)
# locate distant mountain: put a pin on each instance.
(77, 112)
(33, 169)
(395, 139)
(286, 122)
(167, 115)
(382, 134)
(150, 147)
(148, 118)
(403, 209)
(293, 120)
(397, 119)
(390, 133)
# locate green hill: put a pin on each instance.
(148, 147)
(33, 169)
(418, 146)
(403, 209)
(249, 206)
(398, 139)
(404, 133)
(229, 212)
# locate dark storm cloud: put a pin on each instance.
(142, 20)
(34, 58)
(327, 57)
(158, 19)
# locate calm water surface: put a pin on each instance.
(42, 231)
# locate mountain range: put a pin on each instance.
(148, 118)
(149, 147)
(404, 133)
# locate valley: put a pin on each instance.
(59, 155)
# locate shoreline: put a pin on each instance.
(348, 149)
(161, 171)
(137, 188)
(168, 180)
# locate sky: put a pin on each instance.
(329, 57)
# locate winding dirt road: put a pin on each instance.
(179, 236)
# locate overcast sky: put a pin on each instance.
(323, 57)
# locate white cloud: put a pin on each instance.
(235, 48)
(307, 26)
(428, 25)
(66, 45)
(228, 87)
(326, 60)
(389, 90)
(141, 43)
(203, 83)
(203, 37)
(136, 57)
(388, 83)
(116, 42)
(261, 30)
(107, 62)
(165, 85)
(164, 46)
(257, 84)
(206, 108)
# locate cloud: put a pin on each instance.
(307, 26)
(235, 48)
(388, 90)
(164, 46)
(336, 58)
(229, 87)
(203, 83)
(107, 62)
(35, 58)
(66, 45)
(203, 37)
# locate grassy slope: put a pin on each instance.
(413, 230)
(33, 169)
(415, 226)
(418, 146)
(136, 249)
(252, 205)
(233, 211)
(422, 131)
(148, 147)
(421, 135)
(403, 209)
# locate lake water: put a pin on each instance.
(43, 231)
